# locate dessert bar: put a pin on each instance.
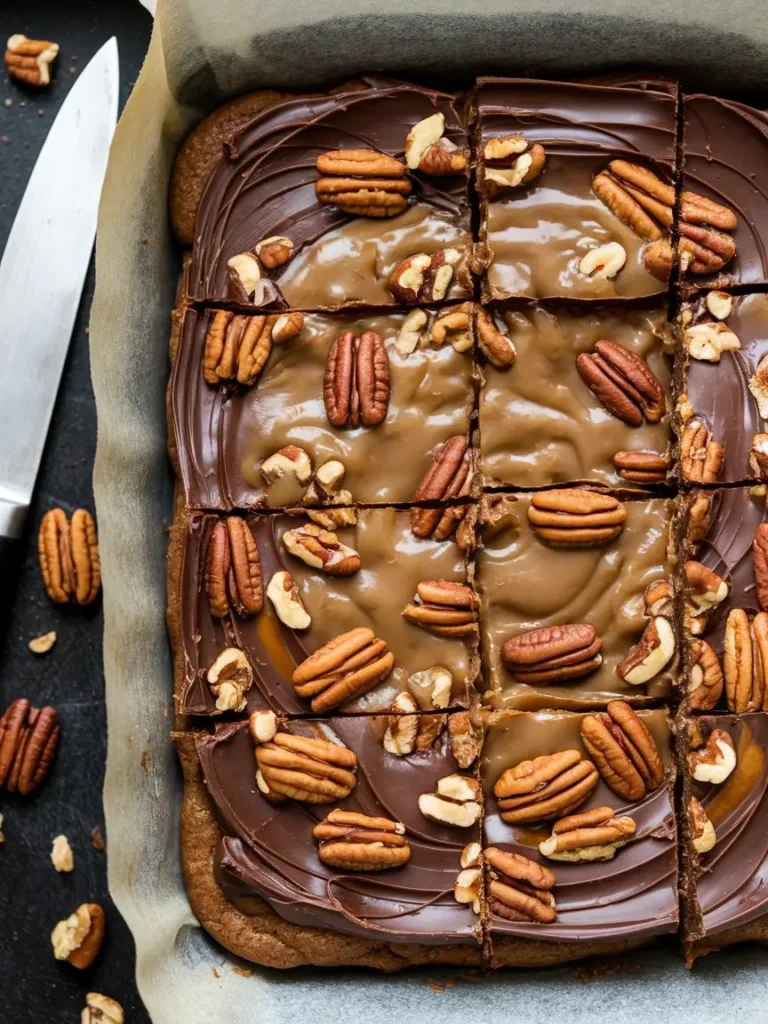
(587, 399)
(576, 599)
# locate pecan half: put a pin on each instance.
(520, 889)
(78, 938)
(468, 886)
(745, 661)
(545, 788)
(346, 667)
(424, 277)
(623, 383)
(576, 518)
(321, 549)
(704, 591)
(28, 740)
(457, 802)
(553, 653)
(357, 842)
(642, 467)
(30, 60)
(449, 476)
(233, 569)
(703, 835)
(283, 592)
(402, 726)
(237, 347)
(362, 182)
(624, 751)
(496, 346)
(356, 383)
(760, 564)
(592, 835)
(511, 161)
(714, 760)
(705, 677)
(306, 769)
(69, 557)
(444, 608)
(650, 655)
(701, 457)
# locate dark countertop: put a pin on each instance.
(33, 896)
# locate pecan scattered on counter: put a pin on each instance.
(623, 383)
(553, 653)
(30, 60)
(576, 518)
(233, 569)
(78, 938)
(362, 182)
(69, 557)
(28, 740)
(356, 383)
(545, 788)
(624, 751)
(357, 842)
(444, 607)
(592, 835)
(346, 667)
(520, 889)
(101, 1009)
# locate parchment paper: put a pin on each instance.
(203, 51)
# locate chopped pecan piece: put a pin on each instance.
(553, 653)
(657, 599)
(30, 60)
(101, 1009)
(444, 608)
(511, 161)
(642, 467)
(454, 324)
(306, 769)
(604, 261)
(427, 150)
(520, 889)
(699, 518)
(229, 678)
(274, 251)
(469, 882)
(745, 661)
(707, 341)
(284, 594)
(457, 802)
(362, 182)
(576, 518)
(758, 456)
(703, 833)
(321, 549)
(701, 457)
(705, 677)
(650, 655)
(714, 760)
(78, 938)
(592, 835)
(357, 842)
(624, 751)
(496, 346)
(233, 569)
(424, 277)
(28, 740)
(758, 385)
(623, 383)
(402, 726)
(704, 591)
(69, 557)
(466, 737)
(346, 667)
(356, 383)
(760, 564)
(544, 788)
(449, 476)
(288, 461)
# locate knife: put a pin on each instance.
(42, 273)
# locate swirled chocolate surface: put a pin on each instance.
(633, 895)
(264, 186)
(725, 150)
(223, 434)
(719, 392)
(538, 233)
(393, 562)
(539, 422)
(524, 584)
(269, 850)
(732, 885)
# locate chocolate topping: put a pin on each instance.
(264, 186)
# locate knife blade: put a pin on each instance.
(42, 273)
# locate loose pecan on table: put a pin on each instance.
(304, 768)
(443, 607)
(362, 182)
(624, 751)
(233, 569)
(322, 550)
(237, 347)
(645, 203)
(449, 476)
(28, 740)
(100, 1009)
(576, 518)
(520, 889)
(642, 467)
(705, 677)
(357, 842)
(623, 382)
(346, 667)
(78, 938)
(511, 161)
(745, 661)
(545, 788)
(30, 60)
(69, 557)
(553, 654)
(701, 457)
(424, 277)
(592, 835)
(356, 383)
